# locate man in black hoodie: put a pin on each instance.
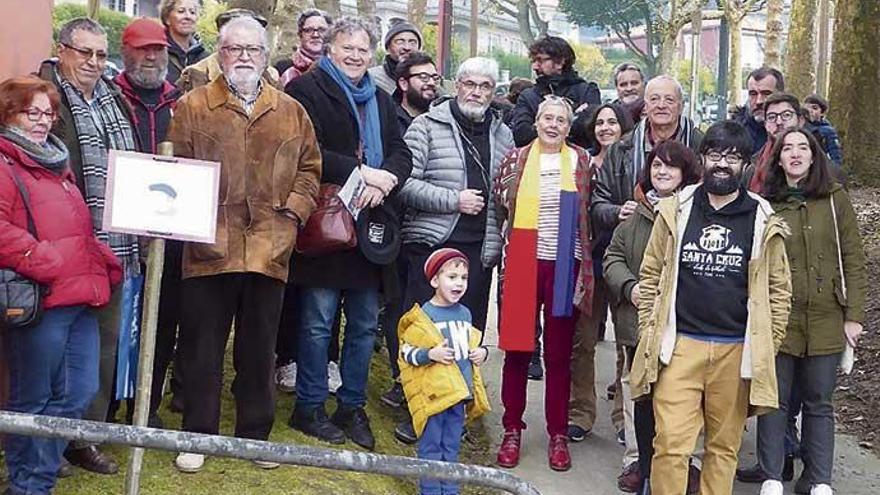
(552, 60)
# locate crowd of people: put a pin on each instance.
(730, 261)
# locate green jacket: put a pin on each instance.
(818, 304)
(623, 258)
(769, 300)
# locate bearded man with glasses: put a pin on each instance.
(270, 168)
(782, 111)
(417, 87)
(92, 119)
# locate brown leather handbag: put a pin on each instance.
(330, 228)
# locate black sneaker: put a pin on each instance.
(394, 396)
(621, 436)
(803, 486)
(356, 425)
(315, 423)
(577, 434)
(405, 432)
(536, 371)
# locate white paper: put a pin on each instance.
(351, 191)
(847, 359)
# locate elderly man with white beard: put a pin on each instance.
(457, 147)
(269, 175)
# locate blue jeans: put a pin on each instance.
(318, 308)
(53, 371)
(440, 442)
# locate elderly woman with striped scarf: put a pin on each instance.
(543, 199)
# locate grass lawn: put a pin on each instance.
(228, 476)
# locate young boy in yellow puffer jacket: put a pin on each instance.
(440, 355)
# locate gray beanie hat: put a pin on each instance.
(401, 27)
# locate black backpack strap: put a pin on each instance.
(25, 197)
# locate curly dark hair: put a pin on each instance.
(556, 48)
(819, 179)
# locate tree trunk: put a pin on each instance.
(367, 11)
(331, 7)
(773, 40)
(856, 58)
(800, 55)
(415, 11)
(283, 26)
(263, 7)
(822, 56)
(734, 75)
(667, 49)
(696, 39)
(522, 19)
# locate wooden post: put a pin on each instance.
(149, 321)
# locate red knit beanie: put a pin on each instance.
(439, 258)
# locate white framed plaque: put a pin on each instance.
(161, 196)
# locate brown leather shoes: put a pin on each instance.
(92, 459)
(508, 453)
(630, 480)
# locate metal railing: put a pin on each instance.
(239, 448)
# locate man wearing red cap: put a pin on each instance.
(152, 100)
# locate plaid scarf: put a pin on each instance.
(117, 134)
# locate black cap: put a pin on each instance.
(233, 13)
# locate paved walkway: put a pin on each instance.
(596, 461)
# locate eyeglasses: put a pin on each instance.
(785, 116)
(426, 77)
(471, 86)
(100, 56)
(35, 114)
(310, 31)
(253, 51)
(730, 158)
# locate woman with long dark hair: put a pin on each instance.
(828, 282)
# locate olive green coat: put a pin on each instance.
(769, 300)
(623, 258)
(818, 304)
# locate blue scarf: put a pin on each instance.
(362, 94)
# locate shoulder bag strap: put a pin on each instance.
(837, 241)
(25, 197)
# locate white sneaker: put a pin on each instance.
(821, 489)
(771, 487)
(285, 377)
(266, 464)
(189, 463)
(334, 379)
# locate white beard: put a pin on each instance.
(473, 111)
(246, 83)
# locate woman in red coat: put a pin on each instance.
(53, 364)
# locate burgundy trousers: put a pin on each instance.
(558, 335)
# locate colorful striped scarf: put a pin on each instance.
(520, 286)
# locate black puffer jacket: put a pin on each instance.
(569, 85)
